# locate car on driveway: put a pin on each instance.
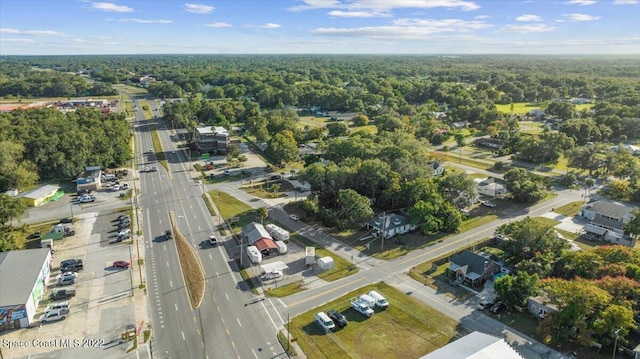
(499, 307)
(62, 294)
(485, 304)
(35, 235)
(294, 217)
(488, 204)
(65, 280)
(121, 264)
(338, 318)
(68, 262)
(53, 316)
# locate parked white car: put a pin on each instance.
(54, 316)
(115, 188)
(57, 306)
(361, 307)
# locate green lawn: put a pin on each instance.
(146, 109)
(407, 329)
(546, 222)
(228, 205)
(474, 222)
(157, 147)
(313, 121)
(569, 209)
(518, 107)
(286, 290)
(371, 129)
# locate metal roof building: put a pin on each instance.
(476, 345)
(23, 275)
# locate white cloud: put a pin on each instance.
(481, 17)
(21, 41)
(625, 2)
(218, 24)
(198, 8)
(269, 25)
(384, 5)
(142, 21)
(581, 2)
(528, 18)
(31, 32)
(407, 29)
(111, 7)
(362, 14)
(580, 17)
(79, 40)
(528, 28)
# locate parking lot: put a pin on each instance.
(102, 307)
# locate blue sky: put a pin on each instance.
(67, 27)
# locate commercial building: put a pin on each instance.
(40, 196)
(476, 345)
(211, 139)
(90, 179)
(23, 276)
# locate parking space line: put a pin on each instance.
(238, 319)
(226, 295)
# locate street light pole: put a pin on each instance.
(615, 343)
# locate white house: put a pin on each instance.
(606, 221)
(438, 170)
(391, 224)
(490, 187)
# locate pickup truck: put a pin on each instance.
(361, 307)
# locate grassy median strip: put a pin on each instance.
(157, 147)
(146, 110)
(191, 267)
(407, 329)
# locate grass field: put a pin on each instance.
(341, 267)
(546, 222)
(313, 121)
(146, 109)
(407, 329)
(286, 290)
(569, 209)
(525, 107)
(157, 147)
(228, 205)
(372, 129)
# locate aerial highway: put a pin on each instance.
(230, 322)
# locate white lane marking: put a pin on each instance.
(210, 257)
(176, 304)
(282, 303)
(170, 283)
(276, 310)
(183, 338)
(269, 315)
(254, 353)
(226, 295)
(167, 263)
(238, 319)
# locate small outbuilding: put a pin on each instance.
(325, 263)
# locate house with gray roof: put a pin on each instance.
(476, 345)
(23, 276)
(257, 235)
(390, 224)
(607, 220)
(472, 268)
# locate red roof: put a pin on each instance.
(265, 243)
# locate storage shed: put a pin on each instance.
(325, 263)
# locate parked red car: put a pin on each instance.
(121, 264)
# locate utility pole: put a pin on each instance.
(615, 343)
(384, 230)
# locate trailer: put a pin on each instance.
(278, 233)
(310, 256)
(254, 254)
(282, 247)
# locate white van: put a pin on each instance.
(370, 302)
(380, 300)
(57, 306)
(325, 322)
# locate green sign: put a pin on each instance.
(205, 156)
